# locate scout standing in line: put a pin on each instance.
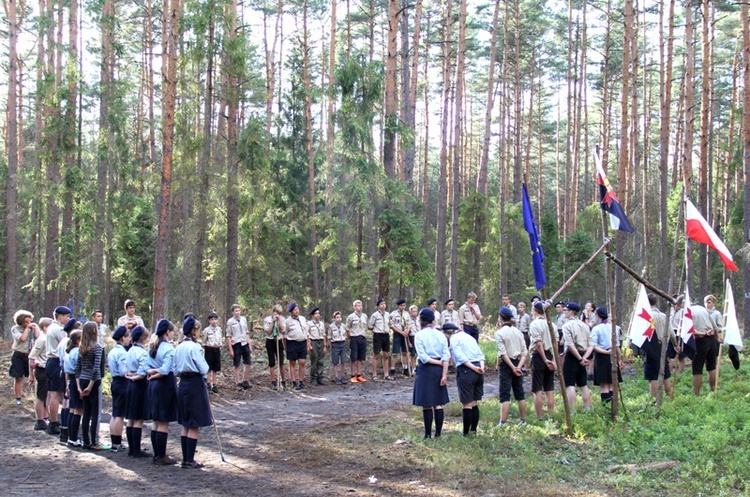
(523, 320)
(469, 361)
(559, 323)
(317, 346)
(707, 348)
(653, 354)
(710, 302)
(162, 390)
(137, 407)
(543, 364)
(356, 332)
(399, 324)
(450, 315)
(414, 327)
(129, 320)
(75, 403)
(296, 346)
(212, 342)
(89, 381)
(38, 373)
(506, 303)
(55, 378)
(471, 315)
(118, 368)
(193, 409)
(22, 333)
(381, 340)
(511, 348)
(274, 327)
(579, 350)
(432, 304)
(601, 338)
(430, 386)
(674, 323)
(337, 339)
(239, 346)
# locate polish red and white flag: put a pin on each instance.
(698, 229)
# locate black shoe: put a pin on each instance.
(274, 387)
(392, 372)
(301, 385)
(40, 425)
(295, 385)
(246, 385)
(54, 428)
(214, 389)
(63, 435)
(406, 372)
(283, 385)
(240, 386)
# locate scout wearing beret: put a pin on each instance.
(543, 364)
(559, 323)
(381, 339)
(55, 378)
(578, 353)
(162, 390)
(137, 407)
(430, 386)
(193, 409)
(601, 337)
(432, 304)
(469, 375)
(117, 362)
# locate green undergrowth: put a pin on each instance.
(707, 435)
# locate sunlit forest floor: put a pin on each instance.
(366, 439)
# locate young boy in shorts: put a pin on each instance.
(337, 338)
(239, 346)
(212, 342)
(37, 364)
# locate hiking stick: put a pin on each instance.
(216, 428)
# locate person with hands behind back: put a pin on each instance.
(430, 385)
(579, 349)
(469, 361)
(511, 348)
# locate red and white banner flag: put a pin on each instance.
(687, 331)
(698, 229)
(642, 326)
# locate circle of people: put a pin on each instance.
(66, 360)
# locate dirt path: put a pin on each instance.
(271, 444)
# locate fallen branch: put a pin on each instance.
(661, 465)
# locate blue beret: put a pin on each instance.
(573, 306)
(70, 325)
(539, 307)
(380, 300)
(137, 333)
(506, 312)
(602, 312)
(292, 306)
(427, 315)
(431, 301)
(560, 303)
(313, 310)
(449, 326)
(400, 301)
(448, 301)
(536, 297)
(162, 327)
(61, 309)
(119, 333)
(188, 325)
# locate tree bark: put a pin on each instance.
(484, 162)
(704, 137)
(171, 18)
(687, 151)
(331, 97)
(231, 100)
(440, 262)
(746, 156)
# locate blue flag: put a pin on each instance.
(537, 253)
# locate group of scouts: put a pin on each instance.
(66, 360)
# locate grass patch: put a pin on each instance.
(708, 435)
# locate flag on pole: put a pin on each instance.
(610, 204)
(732, 335)
(687, 330)
(642, 327)
(698, 229)
(537, 253)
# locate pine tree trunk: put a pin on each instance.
(171, 18)
(309, 150)
(460, 68)
(687, 151)
(331, 97)
(484, 162)
(440, 260)
(231, 100)
(746, 156)
(703, 178)
(68, 250)
(9, 300)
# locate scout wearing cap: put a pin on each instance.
(430, 386)
(579, 350)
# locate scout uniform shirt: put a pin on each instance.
(212, 337)
(702, 321)
(398, 320)
(268, 325)
(237, 330)
(356, 324)
(379, 322)
(316, 330)
(451, 317)
(296, 329)
(539, 332)
(55, 335)
(510, 342)
(524, 321)
(336, 332)
(124, 319)
(415, 326)
(660, 324)
(18, 345)
(561, 320)
(578, 334)
(467, 316)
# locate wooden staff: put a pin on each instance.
(639, 278)
(558, 361)
(572, 278)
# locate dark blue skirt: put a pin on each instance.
(55, 376)
(193, 409)
(427, 389)
(119, 396)
(162, 392)
(74, 401)
(136, 403)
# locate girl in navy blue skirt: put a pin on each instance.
(162, 390)
(194, 411)
(137, 407)
(117, 361)
(430, 385)
(74, 400)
